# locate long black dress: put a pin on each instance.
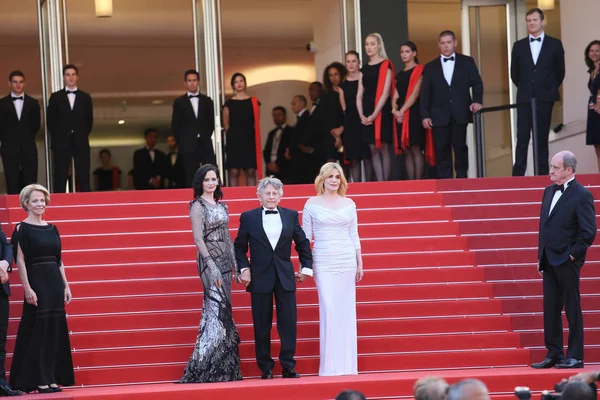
(334, 118)
(593, 120)
(355, 148)
(370, 78)
(215, 357)
(241, 145)
(416, 132)
(42, 351)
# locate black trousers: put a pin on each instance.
(524, 127)
(262, 316)
(447, 138)
(192, 161)
(20, 170)
(62, 160)
(3, 332)
(561, 287)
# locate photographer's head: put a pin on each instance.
(468, 389)
(430, 388)
(578, 391)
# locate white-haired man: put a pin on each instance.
(268, 232)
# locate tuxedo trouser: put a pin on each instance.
(62, 160)
(561, 287)
(524, 132)
(262, 316)
(20, 170)
(3, 332)
(192, 161)
(447, 138)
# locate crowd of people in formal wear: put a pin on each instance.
(357, 115)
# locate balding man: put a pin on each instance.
(430, 388)
(468, 389)
(567, 229)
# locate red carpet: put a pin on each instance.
(450, 289)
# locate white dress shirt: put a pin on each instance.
(276, 141)
(18, 104)
(557, 195)
(536, 47)
(301, 112)
(194, 101)
(448, 67)
(173, 158)
(71, 97)
(151, 152)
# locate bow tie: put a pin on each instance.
(449, 59)
(17, 98)
(267, 212)
(556, 188)
(194, 95)
(71, 91)
(535, 39)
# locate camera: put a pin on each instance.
(524, 393)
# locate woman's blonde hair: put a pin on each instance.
(324, 174)
(379, 39)
(28, 190)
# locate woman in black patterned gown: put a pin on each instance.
(215, 357)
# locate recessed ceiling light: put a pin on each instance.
(121, 122)
(157, 102)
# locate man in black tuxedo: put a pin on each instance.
(567, 229)
(176, 172)
(70, 118)
(538, 70)
(277, 142)
(19, 123)
(193, 123)
(447, 107)
(268, 232)
(5, 267)
(150, 165)
(299, 151)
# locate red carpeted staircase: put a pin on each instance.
(450, 288)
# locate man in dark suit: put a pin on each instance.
(5, 267)
(193, 123)
(70, 118)
(277, 142)
(447, 107)
(176, 173)
(19, 123)
(537, 69)
(299, 153)
(268, 232)
(567, 229)
(149, 164)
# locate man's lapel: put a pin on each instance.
(567, 194)
(258, 220)
(283, 226)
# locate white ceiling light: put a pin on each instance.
(543, 4)
(104, 8)
(121, 122)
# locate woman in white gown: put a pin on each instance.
(331, 219)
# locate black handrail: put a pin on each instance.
(479, 139)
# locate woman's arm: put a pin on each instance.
(342, 99)
(30, 296)
(209, 272)
(359, 98)
(226, 118)
(412, 98)
(384, 96)
(68, 295)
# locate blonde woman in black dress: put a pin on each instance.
(592, 59)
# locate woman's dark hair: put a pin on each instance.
(199, 179)
(588, 60)
(327, 82)
(104, 151)
(350, 395)
(353, 53)
(235, 76)
(411, 46)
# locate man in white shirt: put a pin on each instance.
(268, 232)
(277, 142)
(537, 69)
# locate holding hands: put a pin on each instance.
(4, 271)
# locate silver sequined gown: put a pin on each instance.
(216, 356)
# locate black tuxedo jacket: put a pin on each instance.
(186, 127)
(175, 172)
(571, 227)
(440, 101)
(144, 169)
(265, 263)
(281, 161)
(541, 80)
(300, 133)
(64, 122)
(19, 135)
(7, 255)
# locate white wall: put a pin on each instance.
(327, 33)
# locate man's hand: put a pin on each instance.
(300, 277)
(245, 277)
(287, 154)
(273, 167)
(306, 149)
(572, 258)
(427, 123)
(475, 107)
(155, 182)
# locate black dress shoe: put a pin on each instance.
(570, 363)
(290, 373)
(547, 363)
(6, 391)
(267, 374)
(45, 390)
(55, 388)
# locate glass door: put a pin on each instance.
(488, 32)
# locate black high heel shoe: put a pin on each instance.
(55, 388)
(45, 390)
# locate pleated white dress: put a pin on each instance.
(336, 240)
